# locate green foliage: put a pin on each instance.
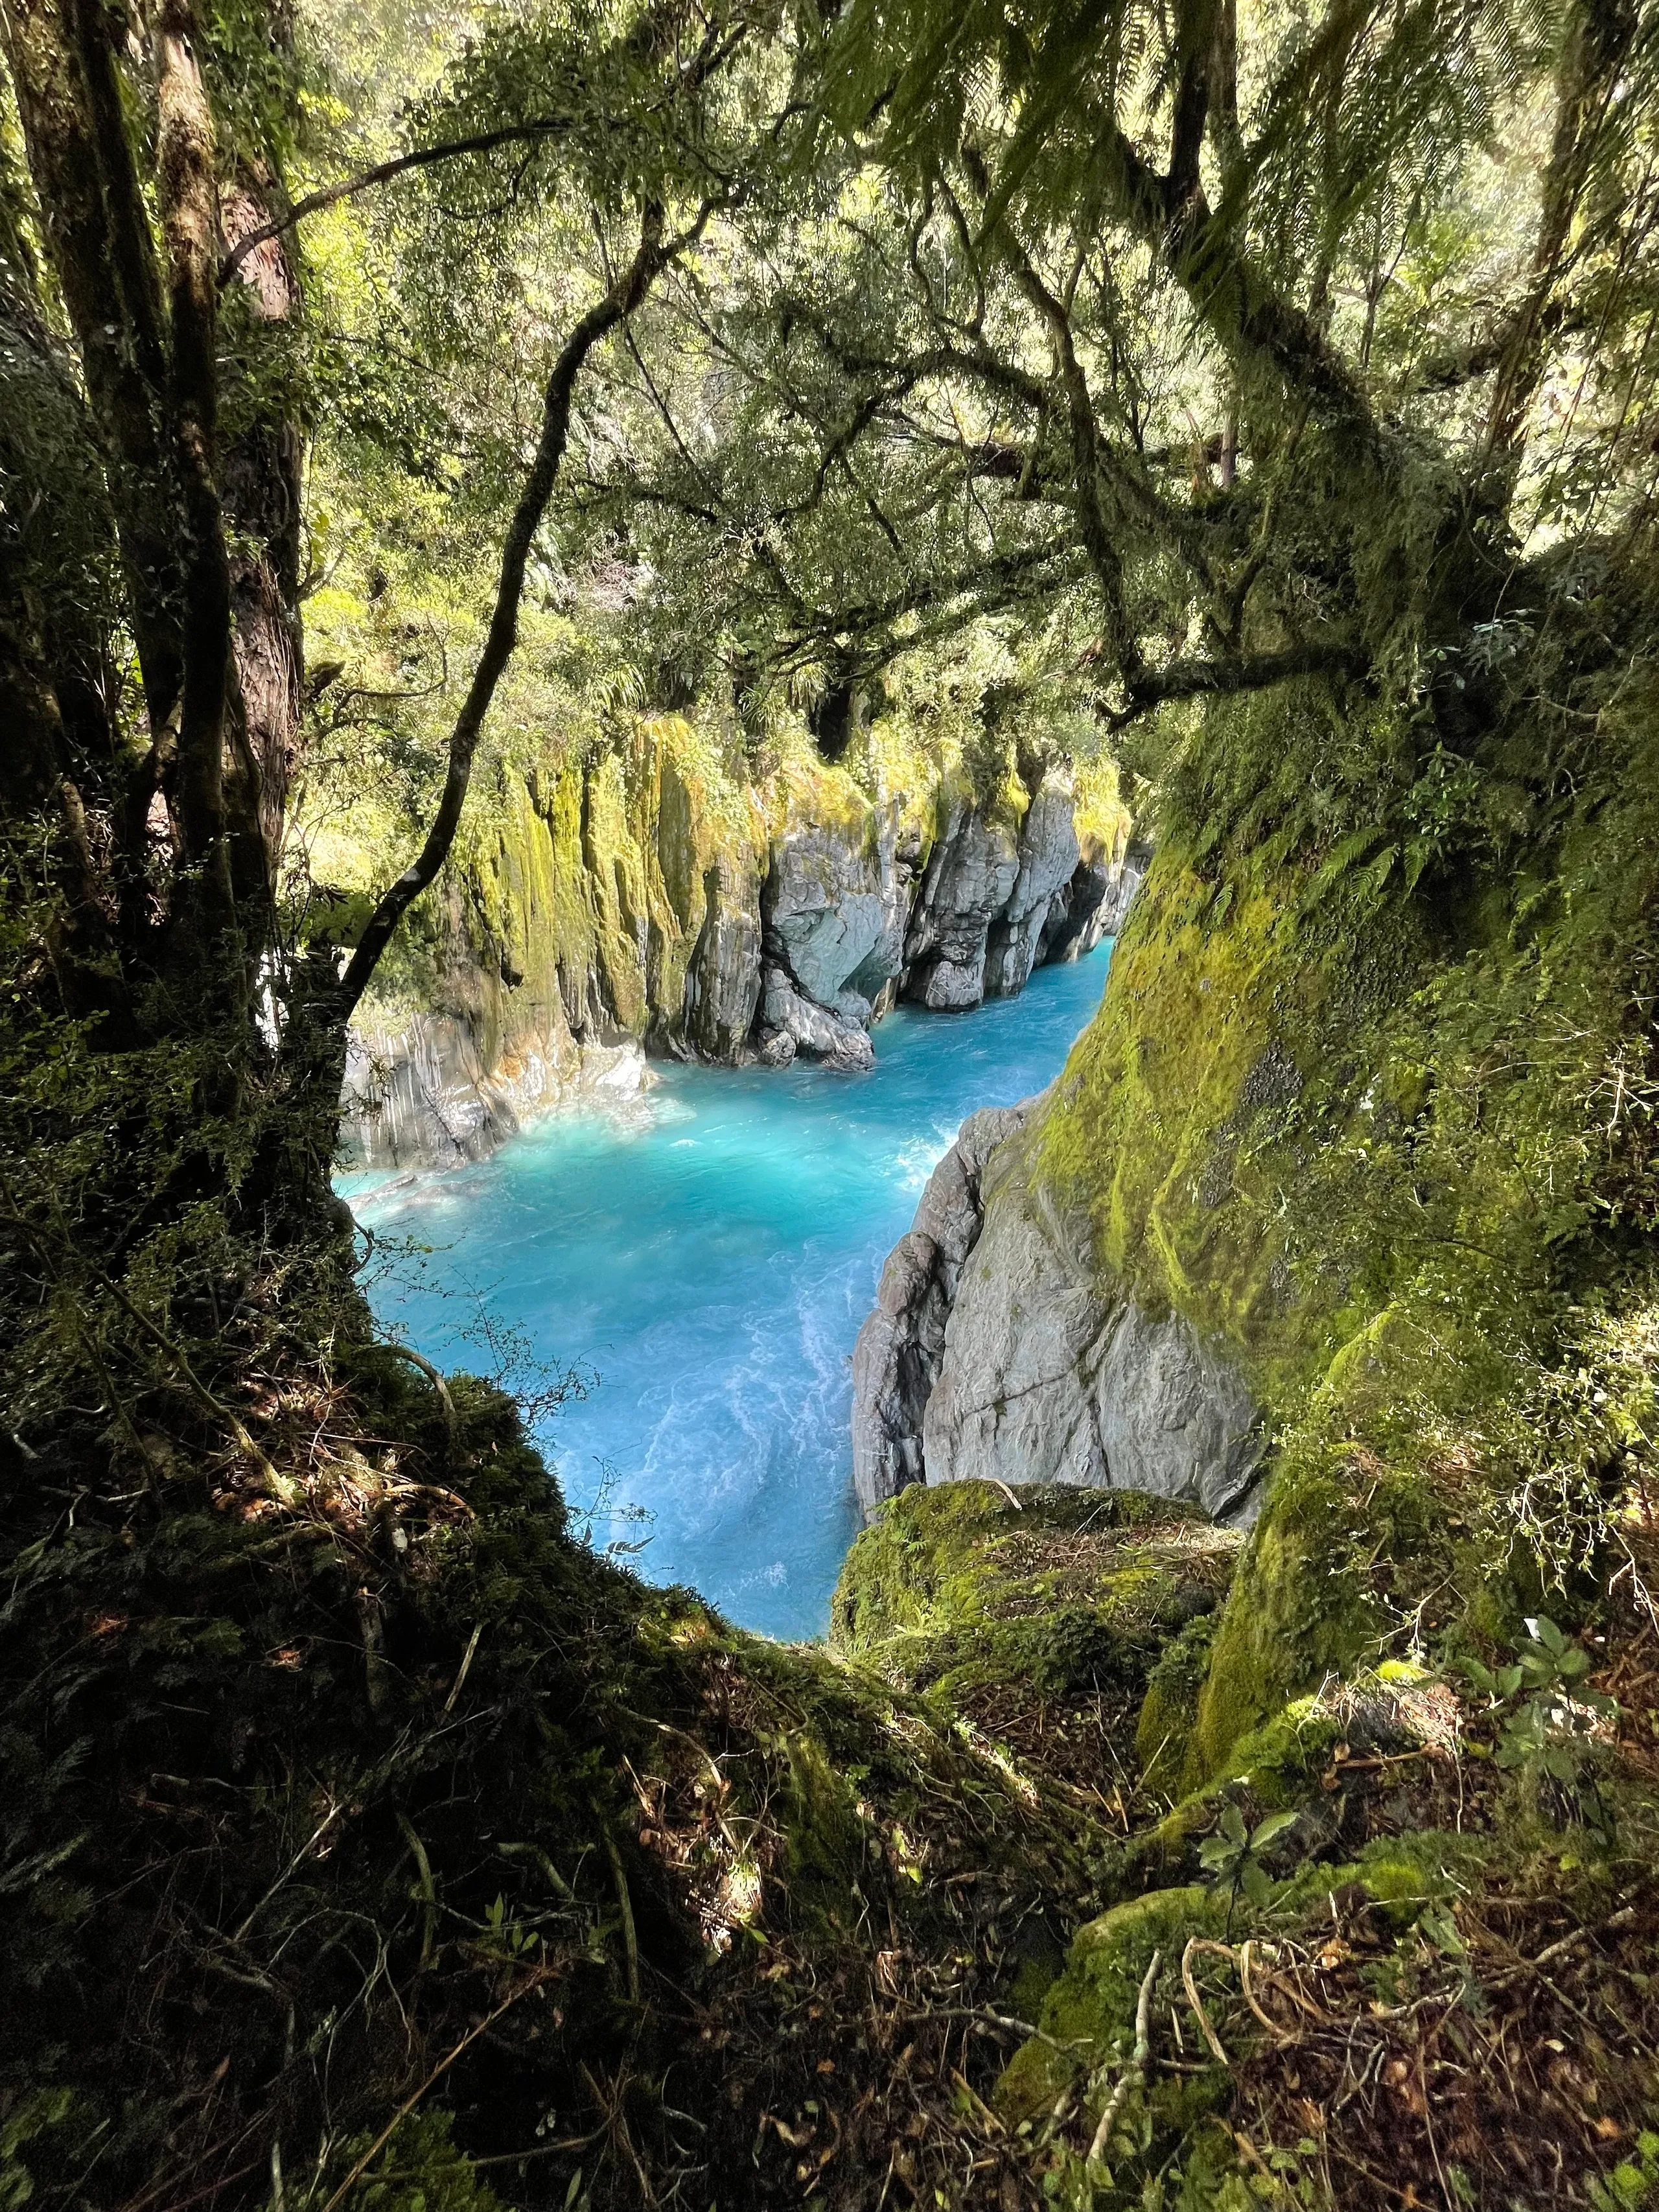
(1232, 1857)
(1031, 366)
(950, 1588)
(1170, 1705)
(418, 2169)
(1088, 2016)
(1633, 2183)
(31, 2118)
(1545, 1706)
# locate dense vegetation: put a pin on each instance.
(401, 406)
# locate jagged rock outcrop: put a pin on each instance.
(833, 910)
(968, 880)
(1049, 857)
(649, 896)
(791, 1023)
(1095, 905)
(896, 1359)
(997, 1352)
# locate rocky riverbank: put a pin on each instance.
(646, 901)
(996, 1351)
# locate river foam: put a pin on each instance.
(706, 1259)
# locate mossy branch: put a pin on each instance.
(656, 250)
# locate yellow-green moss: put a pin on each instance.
(1101, 819)
(1091, 2008)
(1163, 1732)
(955, 1585)
(1362, 1104)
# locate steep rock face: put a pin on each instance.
(996, 1351)
(651, 895)
(896, 1361)
(422, 1097)
(968, 880)
(1049, 1370)
(833, 913)
(608, 906)
(1049, 858)
(1095, 905)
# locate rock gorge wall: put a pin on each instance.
(647, 902)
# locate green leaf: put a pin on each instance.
(1255, 1883)
(1271, 1829)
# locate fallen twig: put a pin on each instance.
(1134, 2073)
(1553, 1951)
(1279, 2035)
(983, 2015)
(625, 1905)
(1198, 1943)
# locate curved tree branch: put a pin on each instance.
(1254, 671)
(328, 195)
(655, 253)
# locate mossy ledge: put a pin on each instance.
(1368, 1107)
(379, 1845)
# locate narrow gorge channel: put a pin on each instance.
(704, 1253)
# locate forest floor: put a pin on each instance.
(369, 1843)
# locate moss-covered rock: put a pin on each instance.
(955, 1585)
(1363, 1107)
(1029, 1621)
(1088, 2013)
(1164, 1731)
(607, 892)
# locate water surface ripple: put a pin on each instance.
(706, 1257)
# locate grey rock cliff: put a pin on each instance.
(896, 1361)
(1049, 861)
(723, 976)
(970, 875)
(426, 1095)
(1050, 1375)
(1094, 905)
(833, 912)
(997, 1352)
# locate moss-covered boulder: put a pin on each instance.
(1365, 1113)
(1088, 2016)
(1031, 1617)
(968, 1581)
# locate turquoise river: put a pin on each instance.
(703, 1258)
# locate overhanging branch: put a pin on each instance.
(1257, 671)
(655, 253)
(328, 195)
